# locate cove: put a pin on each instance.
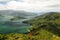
(16, 26)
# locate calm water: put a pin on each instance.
(7, 26)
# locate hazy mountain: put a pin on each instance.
(17, 13)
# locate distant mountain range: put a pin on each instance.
(17, 13)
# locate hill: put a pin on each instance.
(46, 26)
(49, 21)
(17, 13)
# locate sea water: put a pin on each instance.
(17, 26)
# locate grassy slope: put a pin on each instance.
(46, 27)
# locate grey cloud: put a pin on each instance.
(56, 5)
(5, 0)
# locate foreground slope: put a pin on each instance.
(49, 21)
(46, 27)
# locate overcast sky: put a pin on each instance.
(30, 5)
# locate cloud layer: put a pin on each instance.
(31, 5)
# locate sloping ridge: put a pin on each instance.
(49, 22)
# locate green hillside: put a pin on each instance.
(46, 26)
(49, 22)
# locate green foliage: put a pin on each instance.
(50, 25)
(50, 22)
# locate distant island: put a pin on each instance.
(17, 18)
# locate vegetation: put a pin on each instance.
(44, 27)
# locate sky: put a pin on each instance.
(30, 5)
